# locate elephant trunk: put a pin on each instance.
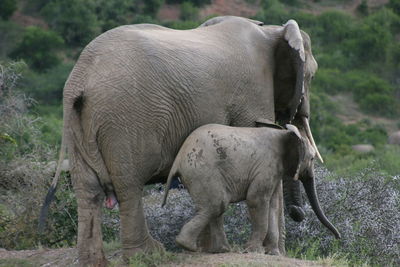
(309, 186)
(293, 199)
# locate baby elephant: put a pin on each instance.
(220, 165)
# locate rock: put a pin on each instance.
(363, 148)
(394, 138)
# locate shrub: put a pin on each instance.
(371, 38)
(114, 13)
(333, 27)
(197, 3)
(327, 81)
(38, 47)
(46, 87)
(151, 7)
(7, 8)
(395, 6)
(10, 34)
(363, 207)
(379, 104)
(74, 20)
(189, 11)
(182, 25)
(363, 8)
(273, 12)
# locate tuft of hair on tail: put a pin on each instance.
(52, 190)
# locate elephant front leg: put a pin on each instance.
(135, 236)
(258, 204)
(274, 234)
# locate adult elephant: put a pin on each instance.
(138, 91)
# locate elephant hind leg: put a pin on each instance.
(204, 222)
(213, 238)
(135, 236)
(90, 197)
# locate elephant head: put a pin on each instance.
(299, 160)
(294, 69)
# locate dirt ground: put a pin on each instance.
(68, 257)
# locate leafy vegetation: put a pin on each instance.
(37, 48)
(7, 8)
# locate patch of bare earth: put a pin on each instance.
(26, 20)
(350, 113)
(68, 257)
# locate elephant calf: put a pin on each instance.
(222, 164)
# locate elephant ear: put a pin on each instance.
(295, 151)
(289, 72)
(219, 19)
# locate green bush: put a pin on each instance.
(46, 87)
(395, 6)
(74, 20)
(332, 27)
(37, 48)
(328, 81)
(7, 8)
(151, 7)
(189, 11)
(273, 12)
(113, 13)
(291, 2)
(182, 25)
(10, 34)
(378, 104)
(363, 8)
(197, 3)
(371, 38)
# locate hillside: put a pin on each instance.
(355, 99)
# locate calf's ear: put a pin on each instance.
(295, 151)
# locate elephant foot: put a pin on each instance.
(274, 251)
(218, 249)
(254, 247)
(148, 247)
(93, 262)
(186, 243)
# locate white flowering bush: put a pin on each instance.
(365, 209)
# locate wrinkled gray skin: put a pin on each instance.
(138, 91)
(221, 164)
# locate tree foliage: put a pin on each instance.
(38, 47)
(7, 8)
(74, 20)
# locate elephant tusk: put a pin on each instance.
(310, 137)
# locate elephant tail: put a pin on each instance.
(172, 174)
(53, 187)
(90, 154)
